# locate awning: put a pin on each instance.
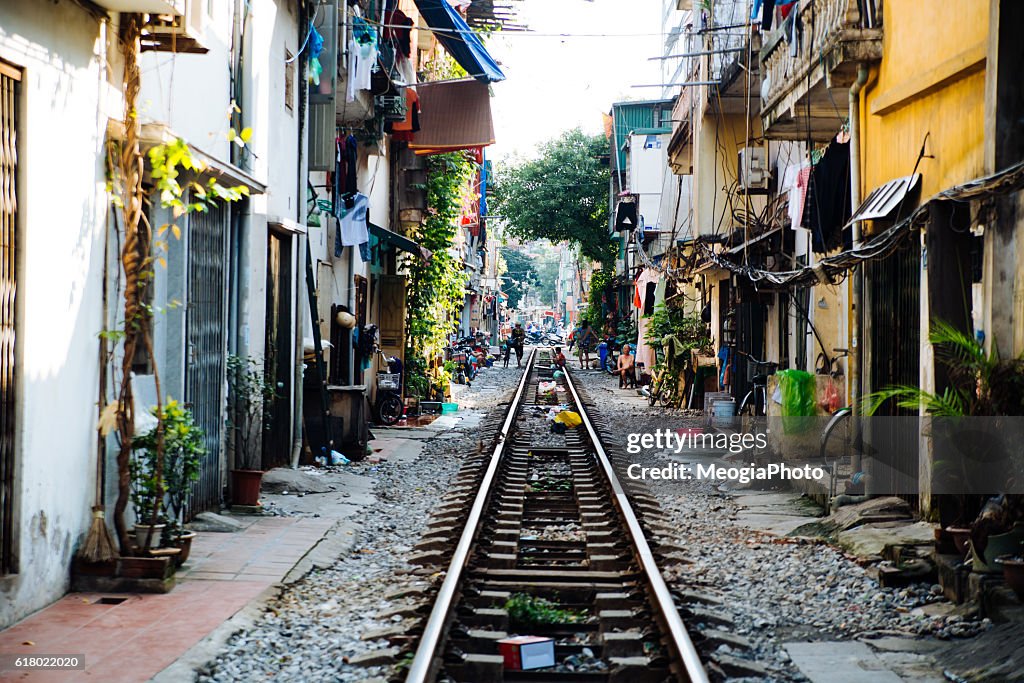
(885, 199)
(460, 40)
(454, 115)
(399, 241)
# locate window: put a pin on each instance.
(289, 80)
(10, 79)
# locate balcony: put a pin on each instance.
(805, 85)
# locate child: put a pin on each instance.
(559, 358)
(506, 351)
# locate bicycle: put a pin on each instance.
(836, 446)
(755, 403)
(663, 389)
(388, 408)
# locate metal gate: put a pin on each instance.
(205, 366)
(9, 79)
(894, 332)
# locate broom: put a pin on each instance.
(98, 545)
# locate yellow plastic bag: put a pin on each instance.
(569, 418)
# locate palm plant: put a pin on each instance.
(980, 383)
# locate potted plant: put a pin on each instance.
(147, 492)
(183, 448)
(1013, 572)
(981, 384)
(183, 451)
(250, 396)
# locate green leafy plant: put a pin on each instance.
(170, 163)
(562, 195)
(436, 287)
(250, 395)
(597, 296)
(690, 331)
(980, 382)
(529, 610)
(183, 451)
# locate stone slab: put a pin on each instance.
(839, 662)
(871, 539)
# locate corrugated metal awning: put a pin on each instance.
(885, 199)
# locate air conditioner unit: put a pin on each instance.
(180, 31)
(753, 169)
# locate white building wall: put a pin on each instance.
(648, 164)
(61, 216)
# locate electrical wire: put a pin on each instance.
(834, 269)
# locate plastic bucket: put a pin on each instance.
(723, 412)
(449, 407)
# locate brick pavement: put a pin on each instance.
(135, 639)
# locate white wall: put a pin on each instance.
(647, 168)
(61, 218)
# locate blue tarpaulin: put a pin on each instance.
(461, 42)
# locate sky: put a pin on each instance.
(556, 83)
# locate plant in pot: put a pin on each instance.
(183, 450)
(147, 491)
(250, 397)
(980, 384)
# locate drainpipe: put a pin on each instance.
(299, 242)
(857, 357)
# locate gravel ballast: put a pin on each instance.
(323, 627)
(765, 588)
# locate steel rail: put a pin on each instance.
(664, 603)
(433, 633)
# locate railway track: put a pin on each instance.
(543, 541)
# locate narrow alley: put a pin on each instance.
(471, 341)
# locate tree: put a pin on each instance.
(561, 196)
(520, 275)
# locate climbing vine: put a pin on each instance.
(436, 286)
(172, 168)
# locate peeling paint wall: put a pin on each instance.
(62, 207)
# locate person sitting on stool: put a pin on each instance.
(627, 368)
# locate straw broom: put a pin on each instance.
(98, 545)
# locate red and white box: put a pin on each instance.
(527, 652)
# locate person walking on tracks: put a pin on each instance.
(506, 349)
(517, 340)
(586, 341)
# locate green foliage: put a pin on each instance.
(250, 395)
(521, 275)
(547, 271)
(980, 383)
(666, 320)
(436, 288)
(528, 610)
(416, 381)
(627, 332)
(600, 291)
(561, 196)
(167, 162)
(183, 448)
(550, 484)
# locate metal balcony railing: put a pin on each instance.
(807, 69)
